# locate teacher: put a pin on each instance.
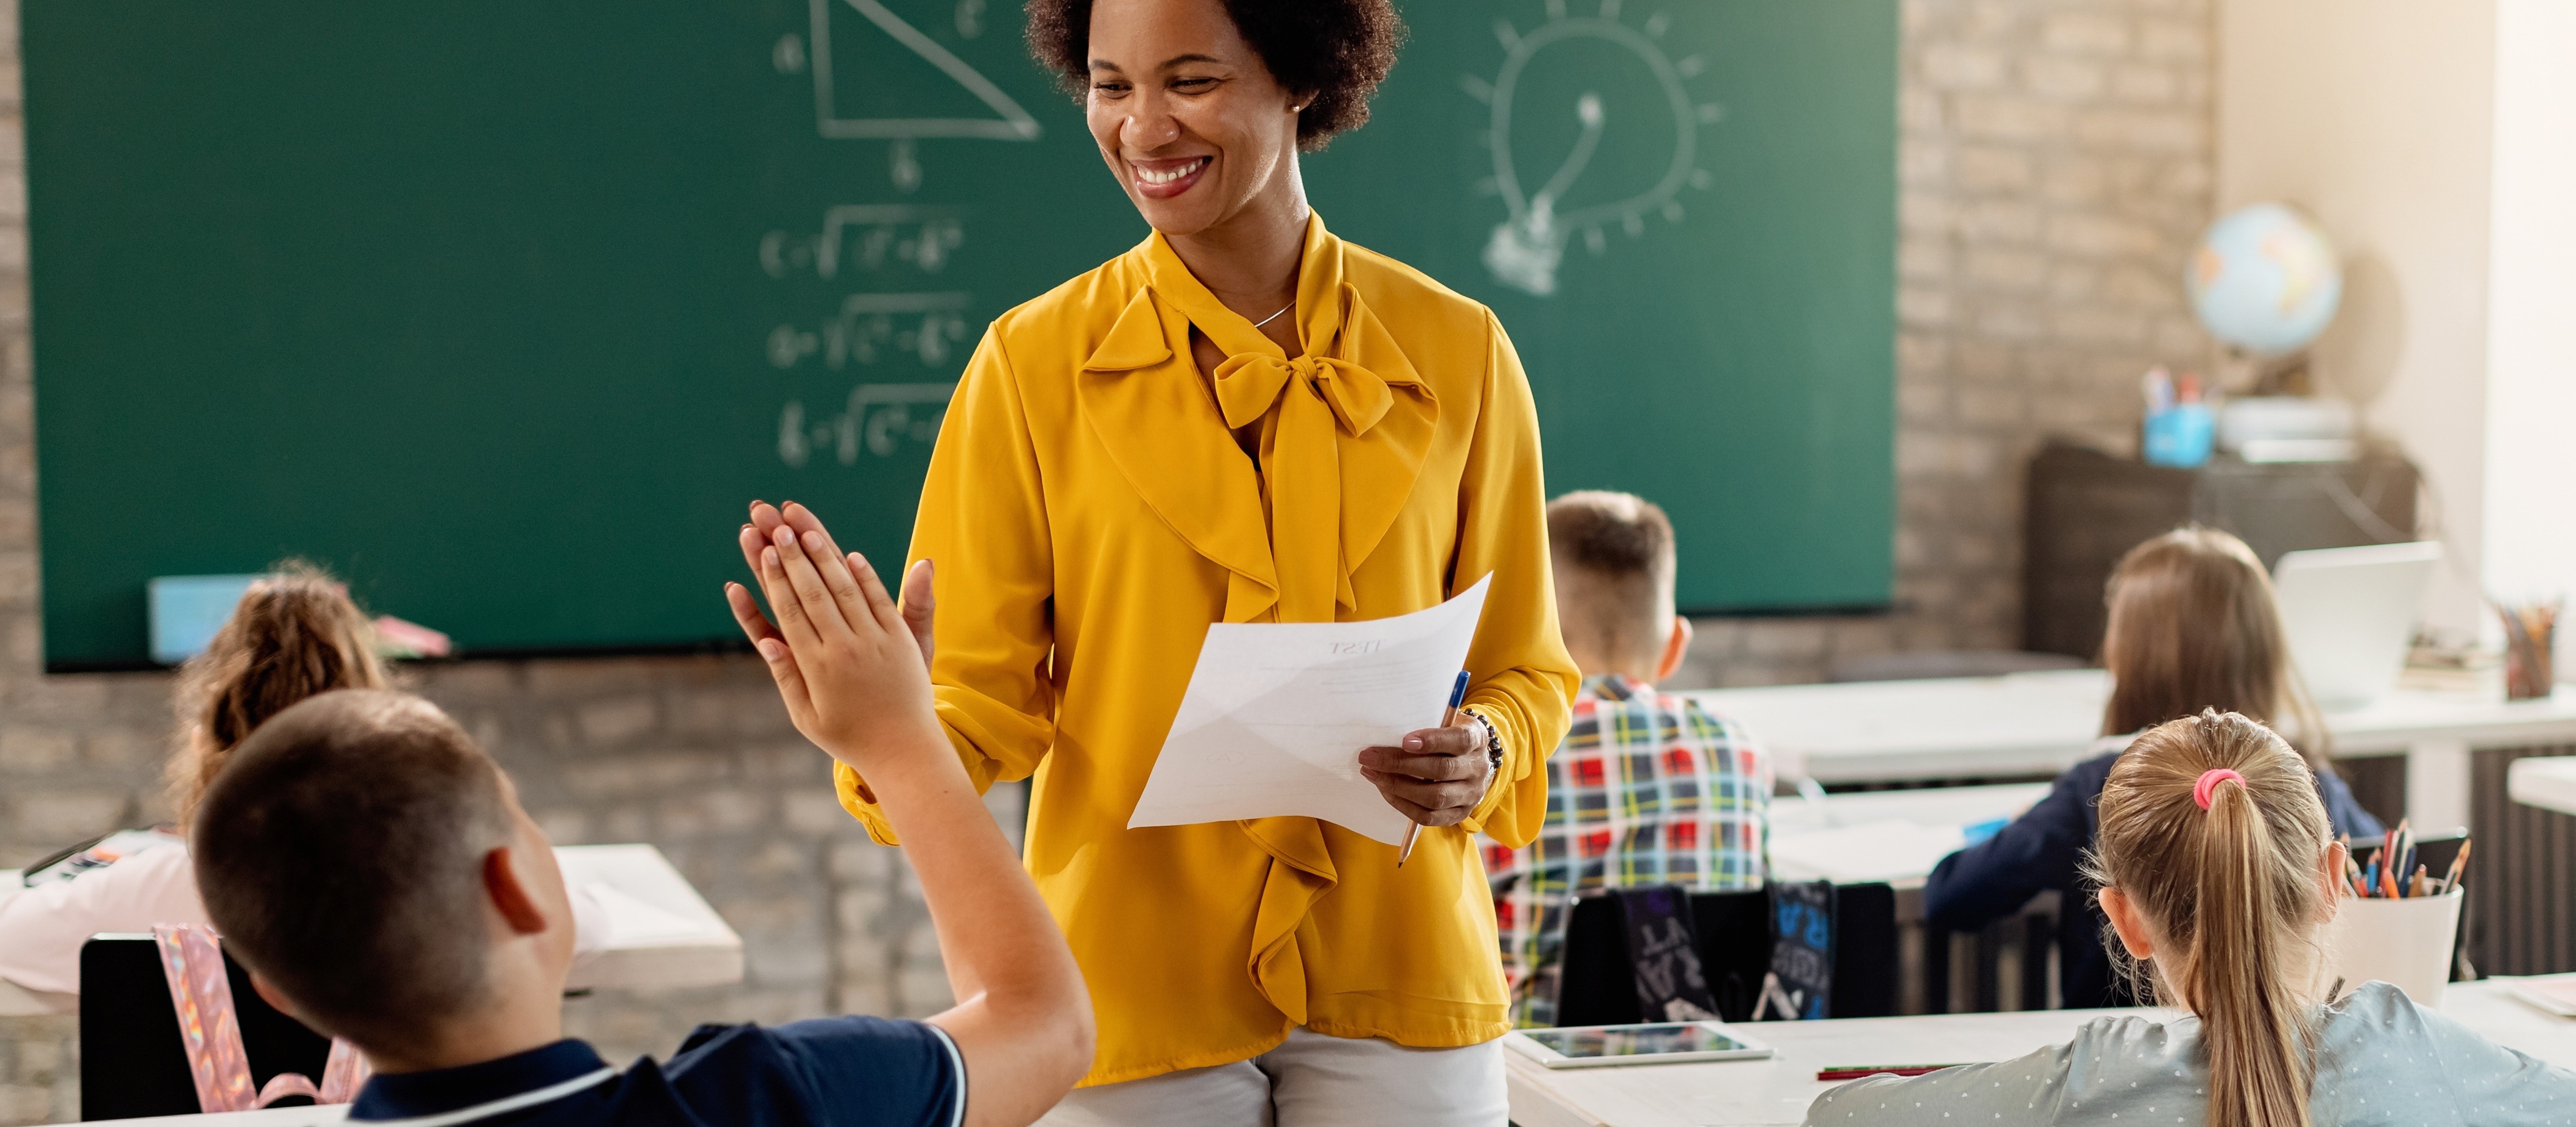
(1244, 419)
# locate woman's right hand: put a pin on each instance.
(847, 664)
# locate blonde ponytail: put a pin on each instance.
(2258, 1064)
(295, 634)
(2233, 896)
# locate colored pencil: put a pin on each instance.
(2459, 866)
(2405, 843)
(1855, 1072)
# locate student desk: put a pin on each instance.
(2042, 723)
(1778, 1090)
(1773, 1091)
(1897, 836)
(661, 932)
(2546, 782)
(1894, 835)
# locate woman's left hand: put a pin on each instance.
(1438, 776)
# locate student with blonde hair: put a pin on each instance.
(294, 634)
(2192, 626)
(2217, 870)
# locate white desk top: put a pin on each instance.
(1778, 1090)
(1890, 835)
(660, 931)
(2548, 782)
(2041, 723)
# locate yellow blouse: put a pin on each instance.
(1090, 514)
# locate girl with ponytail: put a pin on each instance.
(2217, 869)
(293, 635)
(2191, 626)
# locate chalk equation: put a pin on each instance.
(879, 420)
(930, 327)
(867, 238)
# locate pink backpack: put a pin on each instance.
(211, 1033)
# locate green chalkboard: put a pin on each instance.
(1706, 299)
(503, 310)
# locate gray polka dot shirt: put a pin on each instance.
(2381, 1060)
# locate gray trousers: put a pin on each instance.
(1310, 1080)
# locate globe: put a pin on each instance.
(2264, 279)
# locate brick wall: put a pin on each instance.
(2056, 165)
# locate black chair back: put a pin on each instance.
(132, 1062)
(1597, 981)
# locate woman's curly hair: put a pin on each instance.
(1339, 49)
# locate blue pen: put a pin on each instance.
(1413, 833)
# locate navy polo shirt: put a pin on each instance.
(831, 1072)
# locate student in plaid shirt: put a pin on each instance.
(1647, 788)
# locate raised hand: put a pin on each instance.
(765, 519)
(848, 665)
(1438, 776)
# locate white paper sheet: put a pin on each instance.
(1276, 714)
(1890, 850)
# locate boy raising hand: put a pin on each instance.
(374, 870)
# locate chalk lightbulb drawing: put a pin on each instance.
(1528, 245)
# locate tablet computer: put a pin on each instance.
(1663, 1042)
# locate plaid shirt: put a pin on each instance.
(1646, 789)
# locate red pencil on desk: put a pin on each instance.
(1855, 1072)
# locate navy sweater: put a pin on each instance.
(2041, 850)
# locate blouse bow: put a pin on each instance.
(1315, 397)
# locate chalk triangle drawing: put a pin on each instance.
(1010, 123)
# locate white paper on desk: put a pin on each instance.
(1276, 714)
(1893, 849)
(636, 922)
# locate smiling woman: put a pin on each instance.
(1244, 419)
(1338, 52)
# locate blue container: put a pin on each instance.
(186, 610)
(2181, 435)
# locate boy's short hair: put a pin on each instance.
(340, 855)
(1613, 554)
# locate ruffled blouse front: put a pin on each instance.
(1091, 513)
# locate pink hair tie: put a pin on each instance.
(2209, 781)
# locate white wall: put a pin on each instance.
(2377, 116)
(2530, 530)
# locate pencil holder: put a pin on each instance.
(2179, 436)
(2530, 634)
(2405, 942)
